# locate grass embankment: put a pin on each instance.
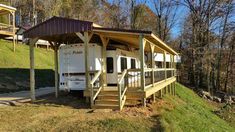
(184, 112)
(187, 112)
(14, 67)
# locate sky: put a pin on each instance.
(181, 14)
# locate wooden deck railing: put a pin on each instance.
(95, 85)
(133, 79)
(122, 88)
(6, 28)
(152, 76)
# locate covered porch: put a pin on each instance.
(137, 84)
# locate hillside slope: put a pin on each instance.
(14, 67)
(188, 112)
(184, 112)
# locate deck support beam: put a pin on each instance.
(13, 24)
(56, 70)
(144, 103)
(164, 66)
(173, 73)
(86, 38)
(105, 42)
(55, 46)
(86, 53)
(154, 98)
(32, 72)
(142, 43)
(152, 62)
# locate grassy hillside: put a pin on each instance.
(14, 67)
(185, 112)
(20, 59)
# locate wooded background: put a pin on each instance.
(202, 31)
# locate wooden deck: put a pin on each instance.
(131, 93)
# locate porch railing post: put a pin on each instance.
(141, 46)
(142, 72)
(152, 62)
(105, 42)
(164, 57)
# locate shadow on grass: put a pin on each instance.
(157, 127)
(74, 100)
(17, 79)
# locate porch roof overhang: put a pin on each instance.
(63, 30)
(58, 29)
(131, 37)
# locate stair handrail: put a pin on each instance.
(92, 96)
(121, 93)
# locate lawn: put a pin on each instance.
(184, 112)
(14, 67)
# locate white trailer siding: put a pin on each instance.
(117, 54)
(72, 65)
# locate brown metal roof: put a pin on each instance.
(58, 26)
(62, 30)
(122, 30)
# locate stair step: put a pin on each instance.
(106, 102)
(102, 106)
(109, 92)
(107, 97)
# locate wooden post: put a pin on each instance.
(164, 62)
(56, 70)
(152, 62)
(142, 45)
(86, 54)
(154, 98)
(142, 73)
(174, 89)
(174, 72)
(170, 88)
(14, 44)
(105, 42)
(32, 72)
(55, 47)
(13, 24)
(86, 38)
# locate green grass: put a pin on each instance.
(14, 67)
(184, 112)
(69, 114)
(20, 58)
(188, 112)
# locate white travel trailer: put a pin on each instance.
(72, 64)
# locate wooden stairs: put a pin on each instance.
(108, 99)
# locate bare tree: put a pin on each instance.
(166, 11)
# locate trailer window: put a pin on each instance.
(133, 64)
(109, 65)
(123, 64)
